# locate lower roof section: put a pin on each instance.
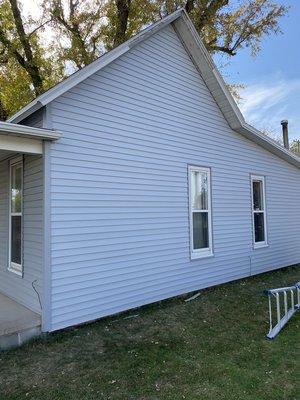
(263, 140)
(24, 139)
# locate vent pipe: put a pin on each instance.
(285, 133)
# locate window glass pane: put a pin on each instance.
(257, 195)
(199, 190)
(16, 189)
(259, 227)
(200, 230)
(16, 236)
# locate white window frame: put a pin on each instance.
(259, 178)
(208, 251)
(14, 267)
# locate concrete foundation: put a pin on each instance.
(18, 324)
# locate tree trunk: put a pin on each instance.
(209, 12)
(189, 6)
(3, 112)
(123, 8)
(30, 65)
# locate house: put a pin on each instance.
(137, 179)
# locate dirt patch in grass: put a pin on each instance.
(213, 347)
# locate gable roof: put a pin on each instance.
(203, 62)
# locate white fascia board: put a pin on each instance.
(28, 132)
(154, 28)
(21, 145)
(269, 144)
(208, 70)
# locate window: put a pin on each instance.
(200, 212)
(259, 211)
(15, 217)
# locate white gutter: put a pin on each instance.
(255, 135)
(7, 128)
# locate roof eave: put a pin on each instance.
(8, 128)
(256, 136)
(218, 88)
(208, 70)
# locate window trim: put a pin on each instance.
(262, 244)
(208, 251)
(14, 267)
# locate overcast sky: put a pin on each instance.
(272, 79)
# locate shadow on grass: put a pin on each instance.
(213, 347)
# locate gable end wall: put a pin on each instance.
(119, 192)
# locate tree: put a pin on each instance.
(22, 48)
(83, 30)
(223, 27)
(80, 22)
(16, 87)
(126, 18)
(295, 147)
(3, 112)
(25, 72)
(123, 8)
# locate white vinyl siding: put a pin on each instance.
(36, 119)
(20, 288)
(200, 212)
(259, 219)
(120, 233)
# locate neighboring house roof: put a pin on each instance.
(203, 62)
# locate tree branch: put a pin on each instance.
(223, 49)
(12, 50)
(39, 27)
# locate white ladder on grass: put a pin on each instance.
(291, 303)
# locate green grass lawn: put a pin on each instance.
(213, 347)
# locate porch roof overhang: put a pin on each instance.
(24, 139)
